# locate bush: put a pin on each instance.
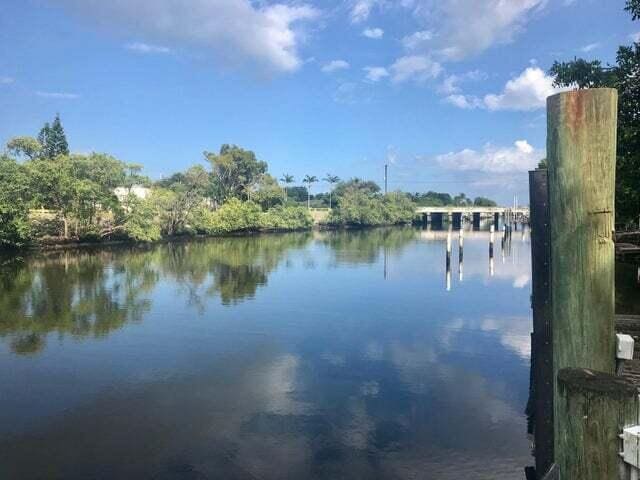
(233, 216)
(286, 218)
(14, 226)
(357, 207)
(141, 221)
(90, 237)
(398, 209)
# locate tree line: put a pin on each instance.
(48, 194)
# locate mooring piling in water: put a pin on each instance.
(581, 154)
(491, 239)
(460, 253)
(448, 260)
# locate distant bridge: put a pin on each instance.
(458, 214)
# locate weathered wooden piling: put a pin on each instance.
(581, 146)
(596, 406)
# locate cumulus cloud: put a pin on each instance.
(466, 27)
(527, 91)
(237, 31)
(375, 74)
(416, 68)
(6, 80)
(141, 47)
(334, 65)
(58, 95)
(374, 33)
(590, 47)
(520, 157)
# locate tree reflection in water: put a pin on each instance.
(93, 293)
(366, 246)
(76, 294)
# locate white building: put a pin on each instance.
(137, 190)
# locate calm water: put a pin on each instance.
(298, 356)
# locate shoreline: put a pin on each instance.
(62, 245)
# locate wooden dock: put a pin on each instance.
(626, 252)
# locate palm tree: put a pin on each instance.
(286, 179)
(331, 179)
(309, 179)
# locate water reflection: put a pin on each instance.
(92, 294)
(232, 358)
(71, 295)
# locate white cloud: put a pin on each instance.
(417, 39)
(450, 84)
(334, 65)
(590, 47)
(6, 80)
(375, 74)
(527, 91)
(415, 67)
(635, 37)
(466, 27)
(466, 102)
(521, 157)
(58, 95)
(373, 33)
(361, 9)
(140, 47)
(237, 31)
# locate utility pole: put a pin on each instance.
(386, 175)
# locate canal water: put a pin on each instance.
(324, 355)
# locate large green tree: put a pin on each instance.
(365, 186)
(53, 139)
(25, 147)
(268, 192)
(624, 76)
(53, 186)
(14, 197)
(180, 196)
(484, 202)
(234, 172)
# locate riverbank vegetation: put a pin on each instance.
(51, 195)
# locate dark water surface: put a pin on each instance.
(337, 355)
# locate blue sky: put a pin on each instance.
(450, 93)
